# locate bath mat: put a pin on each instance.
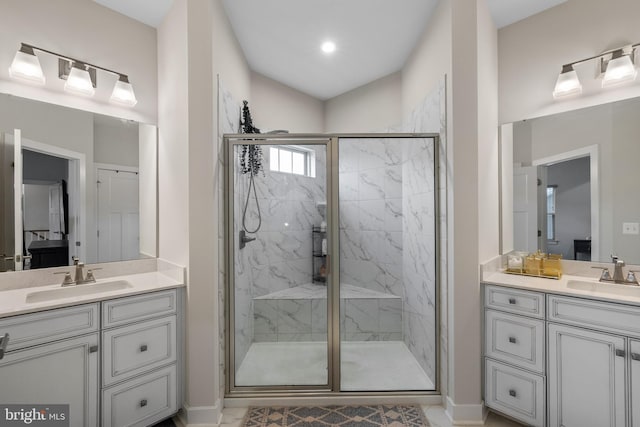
(336, 416)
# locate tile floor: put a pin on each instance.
(366, 366)
(232, 417)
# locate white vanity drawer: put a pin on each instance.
(514, 301)
(27, 330)
(514, 392)
(605, 316)
(142, 401)
(141, 307)
(139, 348)
(515, 339)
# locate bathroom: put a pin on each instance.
(177, 67)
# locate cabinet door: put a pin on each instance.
(64, 372)
(586, 376)
(635, 383)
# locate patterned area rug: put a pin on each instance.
(336, 416)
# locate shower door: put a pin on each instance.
(277, 222)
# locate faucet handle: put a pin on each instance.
(67, 278)
(75, 259)
(605, 275)
(631, 277)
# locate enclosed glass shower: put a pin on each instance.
(332, 256)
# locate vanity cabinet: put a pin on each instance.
(580, 356)
(586, 378)
(514, 349)
(52, 358)
(635, 382)
(115, 362)
(139, 354)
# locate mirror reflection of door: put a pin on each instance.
(45, 200)
(118, 215)
(525, 208)
(6, 202)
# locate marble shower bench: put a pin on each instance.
(300, 314)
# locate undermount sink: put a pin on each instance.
(604, 287)
(77, 290)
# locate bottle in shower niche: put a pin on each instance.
(319, 250)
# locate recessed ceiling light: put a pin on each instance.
(328, 47)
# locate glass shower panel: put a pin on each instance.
(387, 238)
(279, 309)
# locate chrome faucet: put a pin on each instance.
(79, 278)
(618, 274)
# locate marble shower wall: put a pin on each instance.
(421, 279)
(228, 123)
(419, 257)
(370, 194)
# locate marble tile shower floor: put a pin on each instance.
(366, 366)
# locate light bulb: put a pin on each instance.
(79, 81)
(620, 69)
(567, 83)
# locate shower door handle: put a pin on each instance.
(328, 263)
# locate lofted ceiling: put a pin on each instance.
(281, 39)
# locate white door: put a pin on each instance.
(64, 372)
(6, 202)
(118, 215)
(635, 383)
(586, 376)
(525, 211)
(17, 199)
(541, 189)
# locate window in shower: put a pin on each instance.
(292, 159)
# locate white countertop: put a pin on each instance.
(14, 301)
(559, 286)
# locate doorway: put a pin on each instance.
(331, 259)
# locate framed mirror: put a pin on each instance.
(569, 183)
(74, 184)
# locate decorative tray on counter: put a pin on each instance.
(548, 266)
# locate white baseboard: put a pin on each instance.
(201, 416)
(462, 415)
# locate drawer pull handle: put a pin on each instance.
(143, 403)
(4, 341)
(512, 340)
(512, 393)
(143, 348)
(512, 301)
(635, 356)
(93, 349)
(620, 353)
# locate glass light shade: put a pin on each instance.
(26, 66)
(567, 84)
(79, 82)
(619, 70)
(123, 94)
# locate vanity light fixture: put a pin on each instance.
(26, 66)
(567, 83)
(615, 66)
(79, 80)
(80, 75)
(620, 68)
